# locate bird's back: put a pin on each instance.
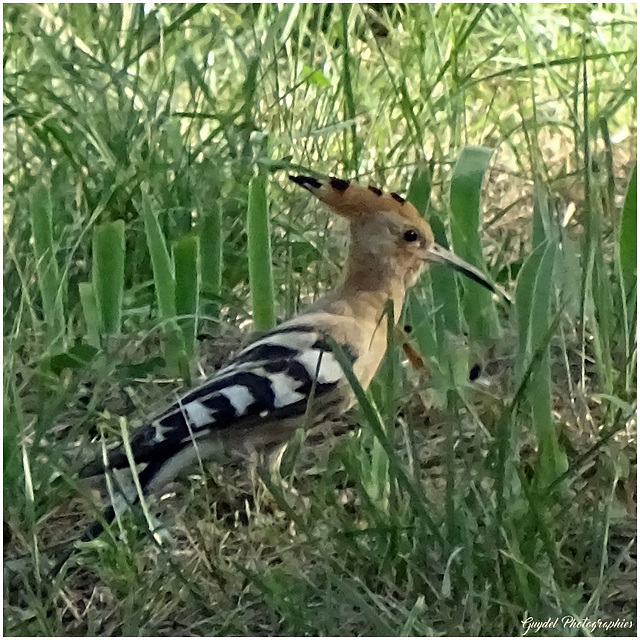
(285, 379)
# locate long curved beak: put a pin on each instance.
(440, 255)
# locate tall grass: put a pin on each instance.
(108, 274)
(148, 217)
(259, 256)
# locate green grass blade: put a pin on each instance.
(186, 257)
(524, 302)
(160, 261)
(347, 87)
(165, 287)
(259, 256)
(108, 273)
(375, 421)
(629, 234)
(49, 279)
(464, 199)
(211, 244)
(445, 290)
(423, 324)
(533, 306)
(626, 264)
(419, 193)
(90, 312)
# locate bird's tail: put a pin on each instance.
(121, 493)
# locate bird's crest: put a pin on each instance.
(353, 200)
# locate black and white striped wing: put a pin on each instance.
(271, 379)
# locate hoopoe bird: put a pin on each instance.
(291, 375)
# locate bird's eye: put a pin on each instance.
(411, 235)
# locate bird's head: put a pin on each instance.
(386, 228)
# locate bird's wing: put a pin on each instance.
(273, 378)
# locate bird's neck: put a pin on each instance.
(370, 282)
